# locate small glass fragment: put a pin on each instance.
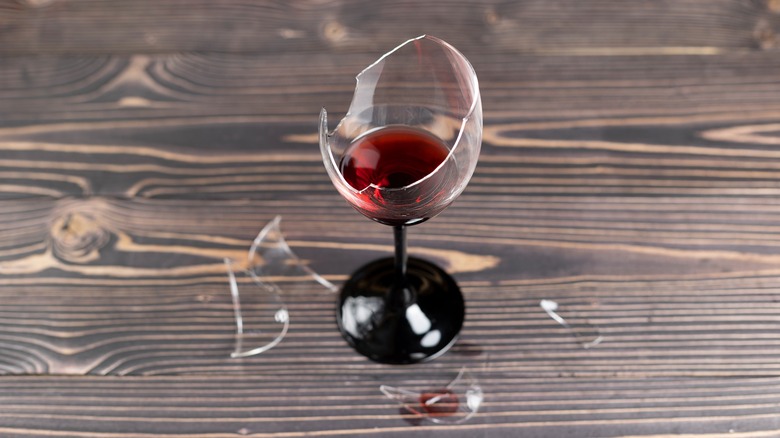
(262, 325)
(455, 403)
(587, 335)
(270, 261)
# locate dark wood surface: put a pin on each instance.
(630, 171)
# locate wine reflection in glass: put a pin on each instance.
(405, 150)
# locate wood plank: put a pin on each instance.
(689, 26)
(276, 88)
(349, 405)
(678, 288)
(211, 126)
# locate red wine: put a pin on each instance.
(439, 403)
(394, 157)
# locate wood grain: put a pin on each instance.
(221, 407)
(152, 298)
(213, 126)
(275, 88)
(689, 26)
(629, 172)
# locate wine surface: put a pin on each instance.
(392, 157)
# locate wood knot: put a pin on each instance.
(151, 39)
(334, 31)
(492, 17)
(765, 35)
(204, 298)
(78, 238)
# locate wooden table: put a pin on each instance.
(630, 171)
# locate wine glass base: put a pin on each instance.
(400, 326)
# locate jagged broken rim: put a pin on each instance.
(330, 160)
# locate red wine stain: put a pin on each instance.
(439, 403)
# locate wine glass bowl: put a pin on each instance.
(404, 151)
(403, 174)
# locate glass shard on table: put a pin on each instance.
(271, 261)
(587, 335)
(454, 403)
(260, 325)
(271, 269)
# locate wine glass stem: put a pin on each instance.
(402, 294)
(401, 257)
